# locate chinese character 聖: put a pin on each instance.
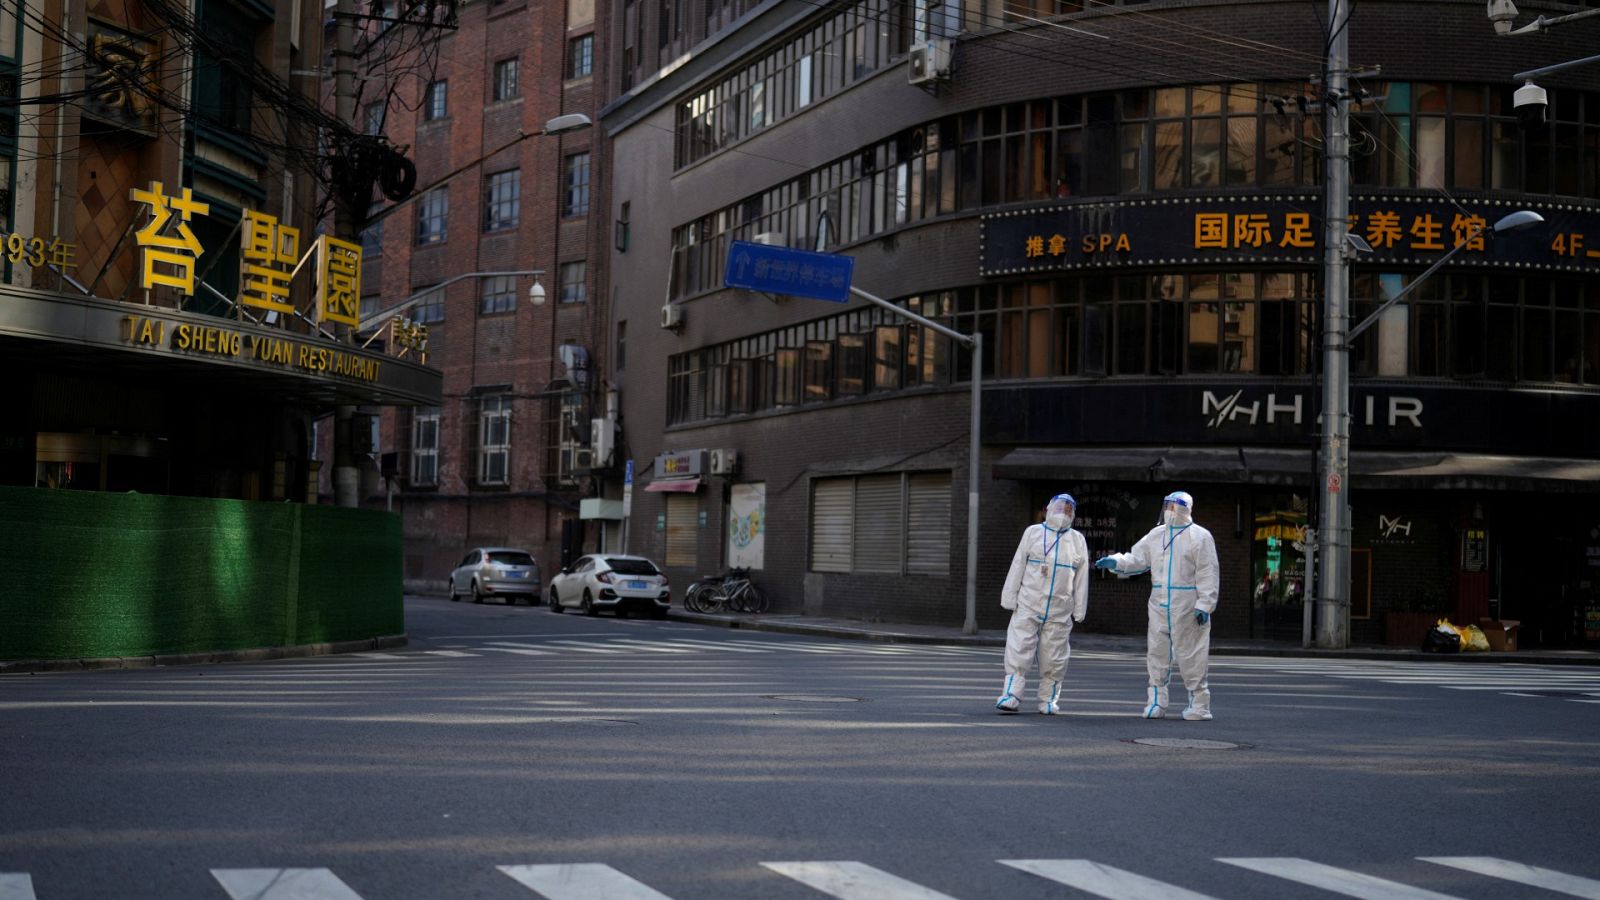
(268, 252)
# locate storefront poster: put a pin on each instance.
(747, 525)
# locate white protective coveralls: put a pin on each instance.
(1047, 590)
(1181, 558)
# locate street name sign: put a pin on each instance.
(782, 270)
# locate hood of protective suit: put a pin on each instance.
(1059, 512)
(1177, 509)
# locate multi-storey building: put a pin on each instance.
(1124, 200)
(500, 207)
(172, 329)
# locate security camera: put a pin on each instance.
(1502, 13)
(1530, 102)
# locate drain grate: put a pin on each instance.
(813, 698)
(1188, 744)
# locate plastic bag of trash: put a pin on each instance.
(1473, 638)
(1442, 638)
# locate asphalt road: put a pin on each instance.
(506, 745)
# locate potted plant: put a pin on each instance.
(1409, 618)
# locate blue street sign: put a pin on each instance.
(781, 270)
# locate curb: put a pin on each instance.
(894, 637)
(254, 654)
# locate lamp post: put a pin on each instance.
(1333, 536)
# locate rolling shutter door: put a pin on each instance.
(928, 524)
(683, 513)
(831, 502)
(878, 523)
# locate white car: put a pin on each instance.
(496, 572)
(612, 581)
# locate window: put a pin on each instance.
(425, 446)
(430, 308)
(494, 439)
(374, 117)
(502, 200)
(499, 295)
(372, 236)
(505, 79)
(852, 366)
(435, 105)
(580, 57)
(818, 371)
(433, 213)
(573, 289)
(576, 202)
(882, 524)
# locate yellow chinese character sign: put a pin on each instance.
(168, 259)
(268, 252)
(338, 281)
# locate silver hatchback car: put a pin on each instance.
(612, 581)
(497, 572)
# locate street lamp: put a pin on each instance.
(1333, 521)
(536, 292)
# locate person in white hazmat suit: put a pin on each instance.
(1181, 558)
(1047, 591)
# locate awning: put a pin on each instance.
(688, 483)
(1292, 466)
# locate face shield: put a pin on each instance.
(1059, 511)
(1177, 509)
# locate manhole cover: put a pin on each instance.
(813, 698)
(1187, 743)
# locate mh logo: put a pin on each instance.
(1388, 527)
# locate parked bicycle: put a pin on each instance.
(732, 591)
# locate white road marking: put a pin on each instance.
(520, 651)
(378, 655)
(16, 886)
(853, 881)
(1549, 879)
(584, 647)
(1102, 880)
(1338, 881)
(448, 653)
(283, 884)
(711, 645)
(581, 881)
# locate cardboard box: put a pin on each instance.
(1501, 633)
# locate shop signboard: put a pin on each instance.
(1276, 229)
(680, 464)
(1268, 411)
(1474, 550)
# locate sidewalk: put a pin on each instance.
(1112, 643)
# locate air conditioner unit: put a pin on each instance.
(671, 316)
(582, 460)
(724, 462)
(602, 433)
(930, 61)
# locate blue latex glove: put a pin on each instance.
(1202, 616)
(1105, 562)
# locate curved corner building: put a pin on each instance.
(1126, 201)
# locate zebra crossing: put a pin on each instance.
(854, 880)
(1578, 684)
(635, 647)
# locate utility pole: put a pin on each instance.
(346, 476)
(1333, 512)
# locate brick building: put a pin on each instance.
(1123, 200)
(497, 462)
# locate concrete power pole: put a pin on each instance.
(1333, 519)
(346, 476)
